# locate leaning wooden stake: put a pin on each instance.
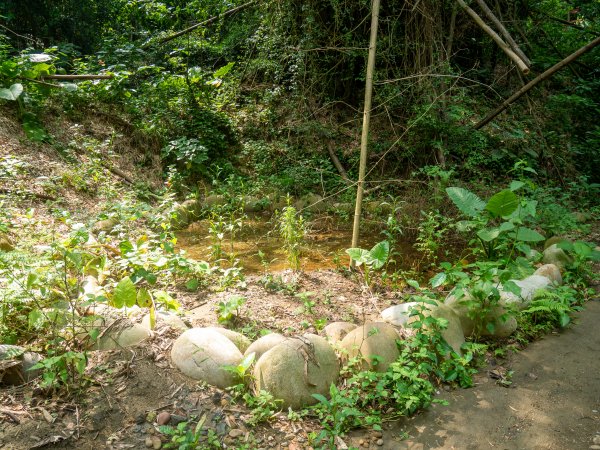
(366, 120)
(547, 74)
(485, 27)
(490, 15)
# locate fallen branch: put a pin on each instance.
(43, 83)
(17, 34)
(547, 74)
(485, 27)
(117, 172)
(11, 414)
(201, 24)
(490, 15)
(337, 163)
(77, 77)
(569, 24)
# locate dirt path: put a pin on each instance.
(553, 403)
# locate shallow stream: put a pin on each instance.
(325, 246)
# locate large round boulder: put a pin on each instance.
(122, 333)
(453, 333)
(6, 244)
(398, 315)
(201, 354)
(498, 322)
(16, 364)
(240, 341)
(375, 342)
(336, 331)
(551, 272)
(264, 344)
(165, 318)
(557, 256)
(529, 286)
(294, 370)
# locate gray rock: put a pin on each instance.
(240, 341)
(264, 344)
(201, 354)
(185, 213)
(104, 226)
(165, 318)
(312, 202)
(502, 321)
(551, 272)
(122, 334)
(553, 240)
(453, 333)
(462, 310)
(336, 331)
(254, 205)
(6, 244)
(557, 256)
(377, 207)
(533, 255)
(398, 315)
(16, 364)
(297, 368)
(373, 339)
(581, 217)
(214, 200)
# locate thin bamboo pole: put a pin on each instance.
(366, 121)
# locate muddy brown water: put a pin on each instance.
(325, 246)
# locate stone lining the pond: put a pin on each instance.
(264, 344)
(550, 271)
(201, 354)
(165, 318)
(557, 256)
(398, 315)
(336, 331)
(295, 369)
(16, 364)
(453, 333)
(121, 333)
(500, 317)
(240, 341)
(375, 342)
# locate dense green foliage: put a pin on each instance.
(251, 107)
(297, 83)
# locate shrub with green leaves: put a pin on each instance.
(373, 259)
(500, 223)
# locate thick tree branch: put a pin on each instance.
(547, 74)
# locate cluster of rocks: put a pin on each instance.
(292, 369)
(501, 317)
